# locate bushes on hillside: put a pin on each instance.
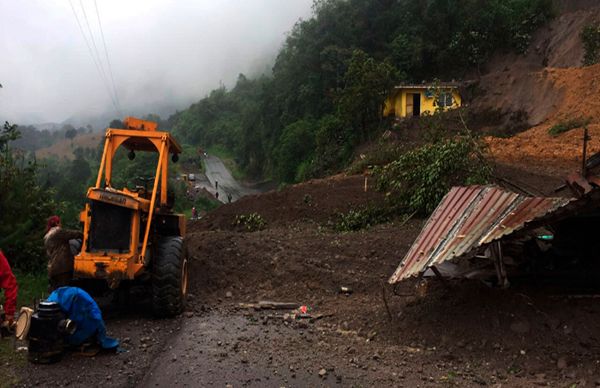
(567, 125)
(418, 180)
(590, 36)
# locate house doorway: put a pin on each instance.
(413, 104)
(416, 104)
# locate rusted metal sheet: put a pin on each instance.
(469, 218)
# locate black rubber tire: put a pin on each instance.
(169, 277)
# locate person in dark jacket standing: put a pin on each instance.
(8, 283)
(60, 257)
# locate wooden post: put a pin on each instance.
(586, 138)
(496, 251)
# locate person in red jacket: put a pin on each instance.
(8, 283)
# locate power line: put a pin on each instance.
(98, 68)
(106, 53)
(96, 50)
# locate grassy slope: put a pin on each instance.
(64, 148)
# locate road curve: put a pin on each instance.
(221, 180)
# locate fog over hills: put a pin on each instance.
(164, 55)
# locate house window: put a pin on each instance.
(445, 100)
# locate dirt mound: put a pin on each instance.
(317, 200)
(547, 96)
(545, 83)
(521, 336)
(555, 45)
(561, 95)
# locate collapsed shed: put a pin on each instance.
(479, 227)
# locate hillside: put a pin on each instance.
(65, 147)
(351, 328)
(549, 85)
(331, 77)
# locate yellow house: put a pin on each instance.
(417, 100)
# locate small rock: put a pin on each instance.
(346, 290)
(174, 358)
(189, 314)
(322, 373)
(229, 294)
(561, 363)
(520, 327)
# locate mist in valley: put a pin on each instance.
(163, 55)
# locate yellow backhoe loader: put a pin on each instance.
(133, 234)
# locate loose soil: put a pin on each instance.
(461, 334)
(548, 86)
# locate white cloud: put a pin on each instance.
(163, 53)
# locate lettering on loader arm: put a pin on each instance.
(113, 198)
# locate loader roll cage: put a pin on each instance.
(140, 136)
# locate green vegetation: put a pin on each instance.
(32, 286)
(24, 204)
(590, 36)
(567, 125)
(203, 204)
(334, 71)
(419, 179)
(250, 222)
(362, 218)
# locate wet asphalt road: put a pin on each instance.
(220, 179)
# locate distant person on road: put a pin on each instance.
(8, 283)
(217, 195)
(58, 249)
(229, 197)
(194, 213)
(216, 185)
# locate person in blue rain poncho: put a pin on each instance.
(79, 307)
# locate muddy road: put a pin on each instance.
(462, 334)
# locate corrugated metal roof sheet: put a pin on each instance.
(468, 218)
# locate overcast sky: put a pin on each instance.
(163, 53)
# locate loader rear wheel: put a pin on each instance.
(169, 277)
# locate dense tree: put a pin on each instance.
(24, 205)
(335, 69)
(70, 134)
(366, 86)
